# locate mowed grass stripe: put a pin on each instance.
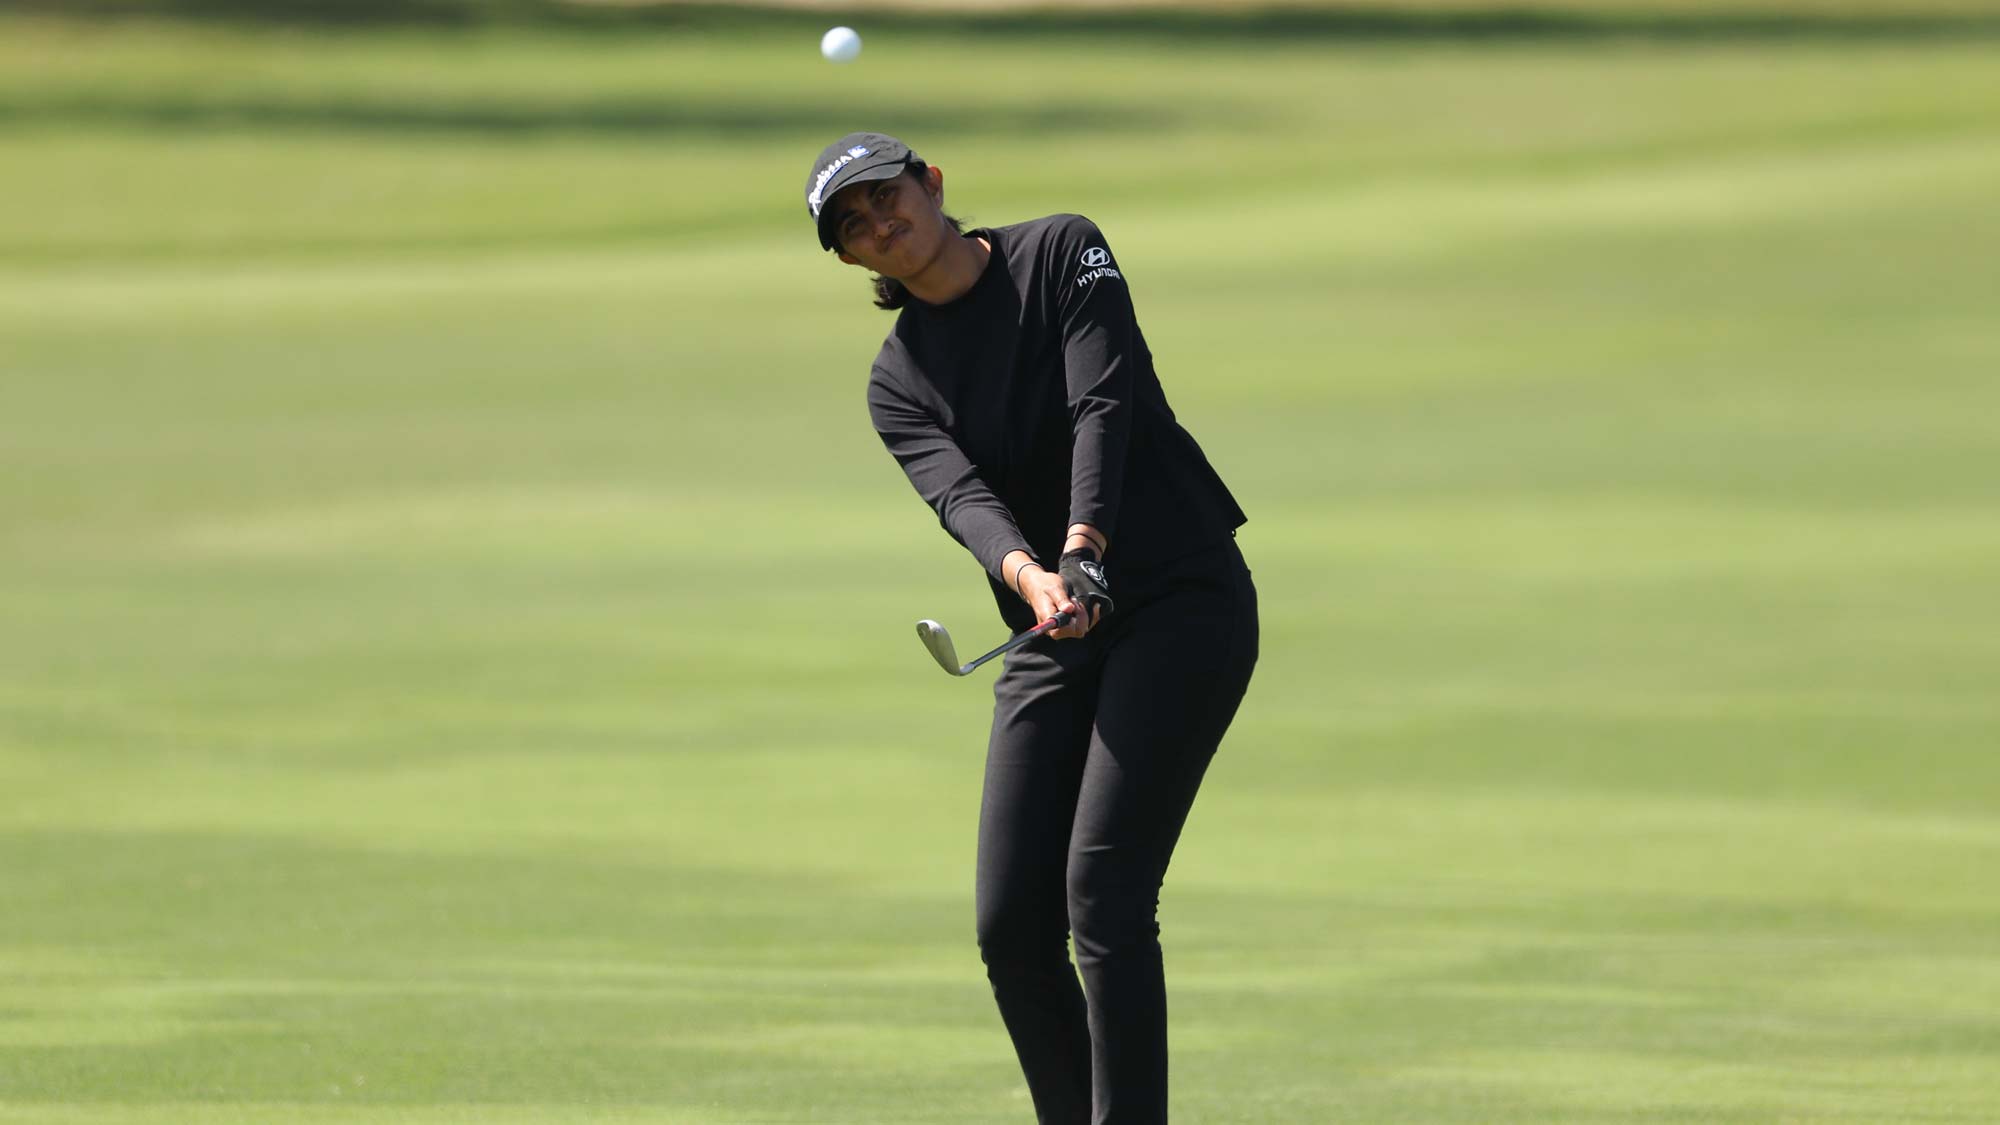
(1374, 223)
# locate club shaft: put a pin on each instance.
(1056, 622)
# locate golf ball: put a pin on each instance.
(840, 45)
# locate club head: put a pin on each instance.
(938, 641)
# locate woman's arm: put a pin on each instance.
(967, 508)
(1084, 535)
(1101, 352)
(946, 479)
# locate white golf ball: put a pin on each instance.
(840, 45)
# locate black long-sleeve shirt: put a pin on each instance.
(1030, 403)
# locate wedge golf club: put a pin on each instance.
(938, 641)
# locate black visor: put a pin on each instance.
(853, 159)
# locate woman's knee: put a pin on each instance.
(1112, 910)
(1016, 937)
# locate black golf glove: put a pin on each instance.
(1084, 576)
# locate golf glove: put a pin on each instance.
(1084, 576)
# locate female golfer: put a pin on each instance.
(1018, 395)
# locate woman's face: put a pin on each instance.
(894, 227)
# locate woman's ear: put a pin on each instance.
(842, 255)
(934, 183)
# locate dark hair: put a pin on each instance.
(889, 293)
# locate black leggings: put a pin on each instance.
(1097, 750)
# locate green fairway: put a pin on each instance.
(456, 659)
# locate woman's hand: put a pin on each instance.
(1087, 583)
(1048, 595)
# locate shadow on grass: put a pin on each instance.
(1191, 25)
(605, 117)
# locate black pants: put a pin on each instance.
(1098, 747)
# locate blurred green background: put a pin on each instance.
(455, 619)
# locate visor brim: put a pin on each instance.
(849, 176)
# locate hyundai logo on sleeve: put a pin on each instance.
(1096, 264)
